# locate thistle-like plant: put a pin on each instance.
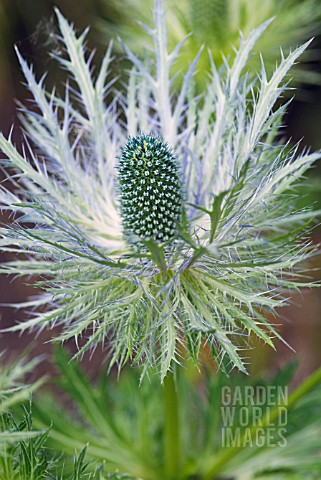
(153, 219)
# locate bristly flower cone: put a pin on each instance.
(150, 189)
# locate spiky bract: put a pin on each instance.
(149, 189)
(217, 23)
(239, 245)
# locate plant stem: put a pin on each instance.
(215, 465)
(172, 430)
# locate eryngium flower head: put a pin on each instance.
(149, 189)
(235, 254)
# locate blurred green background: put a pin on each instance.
(30, 24)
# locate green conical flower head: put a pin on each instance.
(150, 189)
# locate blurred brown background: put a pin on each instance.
(30, 24)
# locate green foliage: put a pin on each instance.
(24, 455)
(13, 388)
(105, 432)
(123, 425)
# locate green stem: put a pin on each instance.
(215, 465)
(172, 430)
